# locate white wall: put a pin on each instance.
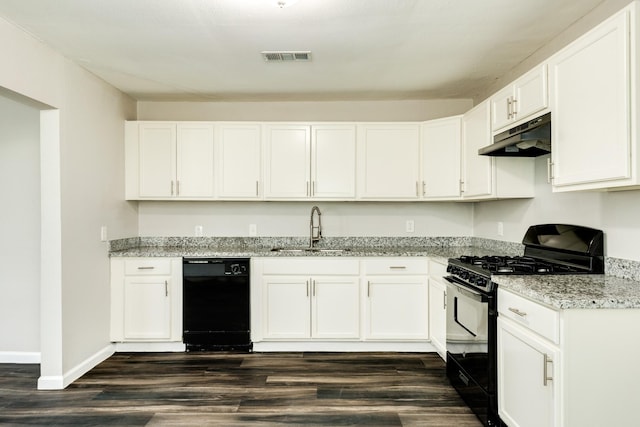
(19, 227)
(616, 213)
(292, 218)
(84, 162)
(408, 110)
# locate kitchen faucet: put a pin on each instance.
(315, 231)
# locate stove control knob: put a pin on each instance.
(464, 275)
(481, 281)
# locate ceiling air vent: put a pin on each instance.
(286, 56)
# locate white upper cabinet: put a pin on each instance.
(168, 160)
(477, 171)
(389, 161)
(239, 160)
(521, 100)
(310, 161)
(594, 94)
(333, 161)
(485, 177)
(286, 162)
(440, 152)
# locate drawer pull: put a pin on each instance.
(545, 370)
(518, 312)
(398, 267)
(146, 268)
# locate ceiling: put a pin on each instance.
(360, 49)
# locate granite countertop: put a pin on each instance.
(574, 291)
(618, 289)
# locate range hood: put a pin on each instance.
(529, 139)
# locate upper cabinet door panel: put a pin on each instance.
(531, 93)
(441, 143)
(157, 145)
(287, 161)
(333, 161)
(388, 161)
(591, 132)
(477, 170)
(239, 161)
(501, 108)
(194, 177)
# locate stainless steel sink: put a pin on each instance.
(299, 250)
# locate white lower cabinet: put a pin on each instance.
(397, 299)
(340, 304)
(146, 299)
(438, 307)
(310, 298)
(569, 368)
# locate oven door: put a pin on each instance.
(471, 347)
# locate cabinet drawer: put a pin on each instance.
(395, 266)
(147, 266)
(437, 269)
(538, 318)
(311, 266)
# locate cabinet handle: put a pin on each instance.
(398, 267)
(146, 268)
(509, 108)
(307, 288)
(518, 312)
(549, 170)
(545, 370)
(172, 187)
(514, 107)
(368, 288)
(313, 287)
(166, 288)
(424, 188)
(313, 188)
(461, 186)
(257, 189)
(444, 300)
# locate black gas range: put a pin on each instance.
(472, 303)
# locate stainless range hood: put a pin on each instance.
(529, 139)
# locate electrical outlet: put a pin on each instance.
(103, 233)
(500, 229)
(199, 231)
(253, 230)
(410, 226)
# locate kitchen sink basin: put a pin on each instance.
(299, 250)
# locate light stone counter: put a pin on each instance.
(574, 291)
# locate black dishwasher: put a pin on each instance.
(215, 311)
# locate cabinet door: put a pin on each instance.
(438, 316)
(531, 93)
(287, 161)
(388, 161)
(287, 307)
(194, 161)
(501, 108)
(526, 399)
(477, 170)
(590, 100)
(333, 164)
(239, 151)
(397, 308)
(336, 307)
(157, 161)
(440, 154)
(147, 308)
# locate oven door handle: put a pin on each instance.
(465, 289)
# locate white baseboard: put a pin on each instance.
(23, 357)
(135, 347)
(329, 346)
(59, 382)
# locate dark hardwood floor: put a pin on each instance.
(227, 389)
